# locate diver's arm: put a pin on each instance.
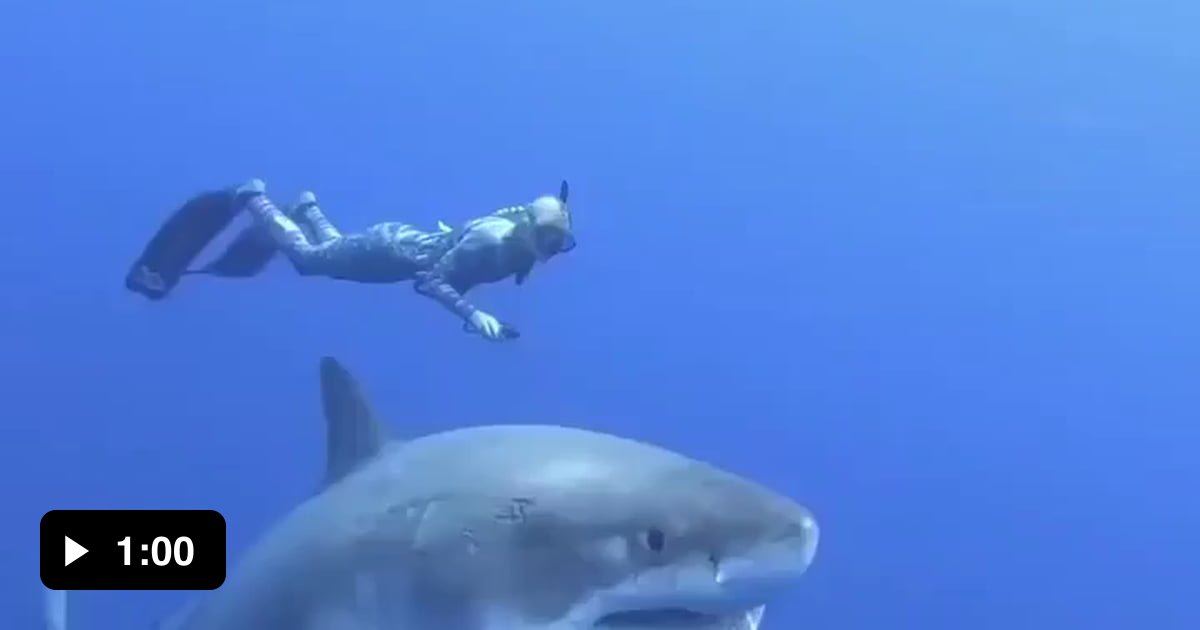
(480, 241)
(433, 284)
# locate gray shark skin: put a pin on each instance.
(514, 527)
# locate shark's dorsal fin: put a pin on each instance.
(352, 433)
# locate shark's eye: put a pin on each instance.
(654, 539)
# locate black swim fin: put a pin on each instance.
(177, 243)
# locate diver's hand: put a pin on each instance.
(488, 326)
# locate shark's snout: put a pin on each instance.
(810, 534)
(772, 564)
(798, 543)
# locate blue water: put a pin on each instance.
(928, 266)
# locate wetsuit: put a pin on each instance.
(443, 265)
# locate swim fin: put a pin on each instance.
(177, 243)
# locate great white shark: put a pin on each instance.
(507, 527)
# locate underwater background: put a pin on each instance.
(929, 267)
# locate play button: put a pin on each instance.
(86, 550)
(74, 551)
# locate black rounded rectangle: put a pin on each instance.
(133, 550)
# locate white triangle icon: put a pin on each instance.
(74, 550)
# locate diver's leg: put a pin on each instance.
(309, 213)
(307, 257)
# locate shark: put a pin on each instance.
(507, 527)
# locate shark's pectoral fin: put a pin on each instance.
(353, 433)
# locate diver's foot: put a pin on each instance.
(304, 201)
(251, 188)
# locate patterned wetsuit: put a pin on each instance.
(443, 265)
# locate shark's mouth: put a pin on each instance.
(657, 618)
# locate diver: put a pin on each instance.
(442, 264)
